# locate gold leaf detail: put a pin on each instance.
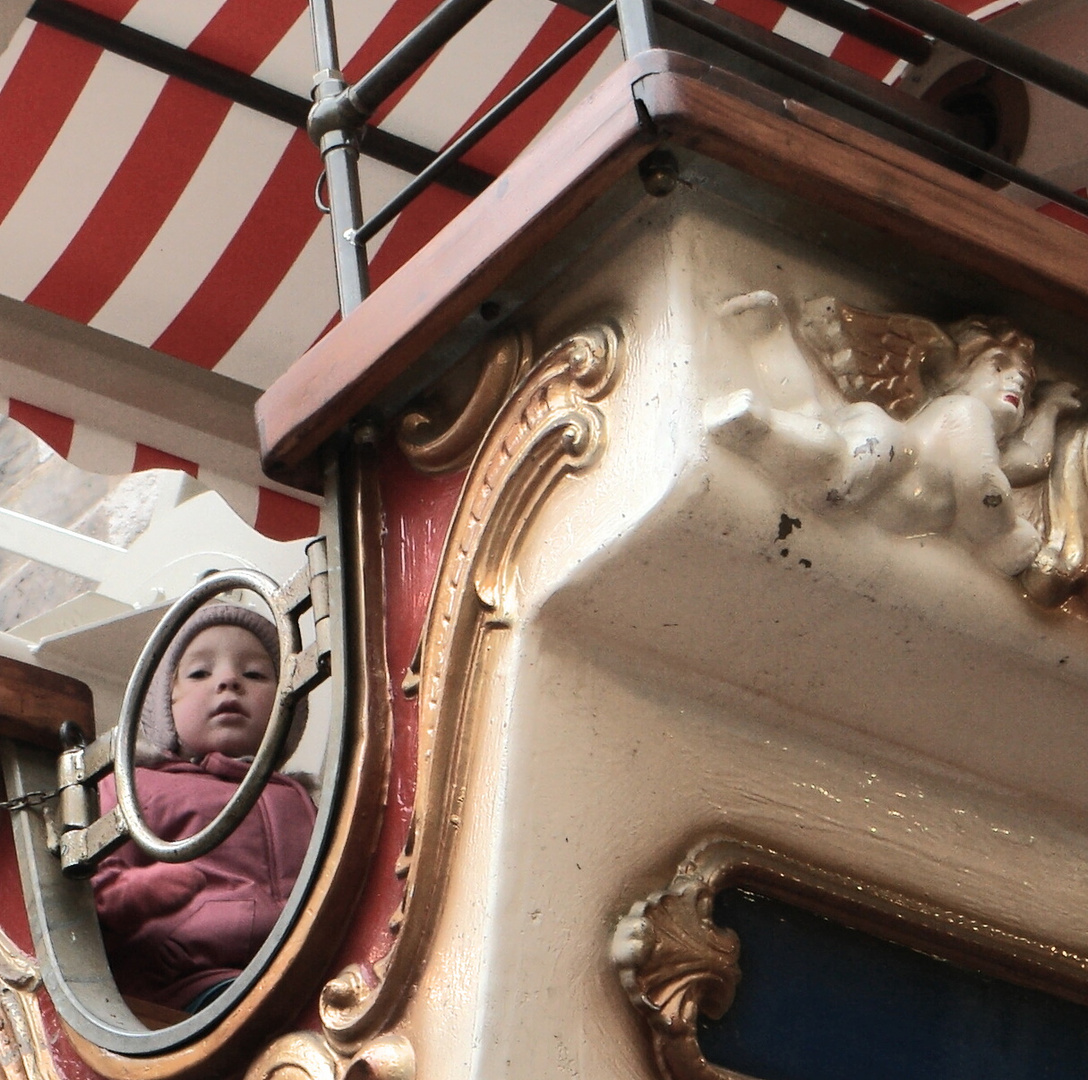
(443, 435)
(548, 426)
(24, 1046)
(676, 964)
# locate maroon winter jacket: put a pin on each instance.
(172, 930)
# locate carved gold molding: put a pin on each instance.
(305, 1055)
(676, 964)
(549, 425)
(439, 438)
(24, 1046)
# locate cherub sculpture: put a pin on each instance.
(931, 431)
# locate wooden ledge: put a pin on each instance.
(692, 105)
(35, 702)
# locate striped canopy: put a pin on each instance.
(162, 214)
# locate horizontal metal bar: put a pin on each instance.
(170, 59)
(262, 97)
(487, 122)
(410, 157)
(689, 15)
(411, 53)
(996, 49)
(869, 26)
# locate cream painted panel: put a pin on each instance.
(895, 710)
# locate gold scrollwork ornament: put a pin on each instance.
(24, 1046)
(675, 965)
(305, 1055)
(547, 425)
(544, 426)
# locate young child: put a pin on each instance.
(177, 934)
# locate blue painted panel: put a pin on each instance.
(818, 1001)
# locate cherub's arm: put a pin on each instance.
(1026, 455)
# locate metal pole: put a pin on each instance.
(996, 49)
(636, 22)
(486, 123)
(411, 54)
(340, 156)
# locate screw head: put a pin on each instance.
(659, 171)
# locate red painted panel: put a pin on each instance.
(281, 517)
(417, 511)
(50, 427)
(147, 457)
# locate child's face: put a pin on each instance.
(224, 689)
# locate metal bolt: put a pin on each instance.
(659, 171)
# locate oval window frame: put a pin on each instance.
(100, 1027)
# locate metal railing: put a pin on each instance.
(904, 27)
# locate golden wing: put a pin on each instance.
(890, 360)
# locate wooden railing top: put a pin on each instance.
(687, 103)
(35, 702)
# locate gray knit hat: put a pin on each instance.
(157, 715)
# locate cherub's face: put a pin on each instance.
(1001, 378)
(223, 692)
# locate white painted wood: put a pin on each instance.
(896, 710)
(57, 547)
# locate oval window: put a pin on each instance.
(118, 1033)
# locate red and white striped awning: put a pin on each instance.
(139, 205)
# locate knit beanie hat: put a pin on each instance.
(157, 715)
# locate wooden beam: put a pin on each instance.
(833, 164)
(35, 702)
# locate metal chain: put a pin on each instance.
(32, 798)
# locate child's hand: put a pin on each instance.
(145, 892)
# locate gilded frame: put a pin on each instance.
(675, 964)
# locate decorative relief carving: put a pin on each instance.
(442, 436)
(24, 1047)
(676, 964)
(546, 426)
(923, 430)
(305, 1055)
